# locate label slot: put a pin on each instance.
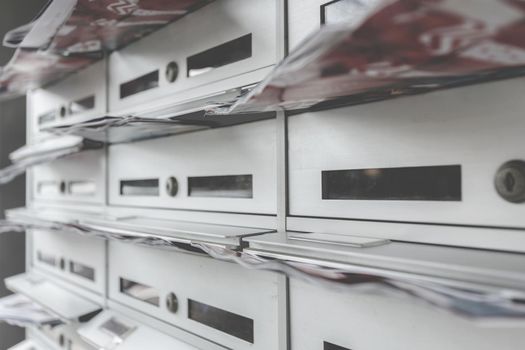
(146, 82)
(47, 259)
(140, 291)
(82, 188)
(235, 325)
(49, 187)
(141, 187)
(218, 56)
(229, 186)
(82, 105)
(82, 270)
(428, 183)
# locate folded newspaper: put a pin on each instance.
(391, 48)
(19, 310)
(45, 151)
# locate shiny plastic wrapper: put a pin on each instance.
(394, 48)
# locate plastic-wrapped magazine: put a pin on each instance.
(18, 310)
(395, 48)
(45, 151)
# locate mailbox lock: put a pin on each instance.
(172, 303)
(61, 340)
(172, 186)
(172, 71)
(62, 187)
(510, 181)
(63, 111)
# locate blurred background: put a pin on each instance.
(13, 13)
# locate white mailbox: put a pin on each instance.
(80, 260)
(223, 170)
(224, 45)
(225, 303)
(321, 319)
(80, 96)
(392, 169)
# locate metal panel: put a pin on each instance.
(77, 178)
(78, 259)
(63, 100)
(228, 287)
(225, 21)
(478, 128)
(373, 322)
(247, 149)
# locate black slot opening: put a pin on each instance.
(140, 291)
(330, 346)
(142, 187)
(82, 105)
(47, 259)
(428, 183)
(218, 56)
(82, 270)
(229, 186)
(140, 84)
(238, 326)
(47, 117)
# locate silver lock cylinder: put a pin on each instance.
(172, 186)
(510, 181)
(172, 303)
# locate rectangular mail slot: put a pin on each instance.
(235, 186)
(140, 84)
(221, 55)
(48, 187)
(82, 105)
(46, 117)
(82, 188)
(82, 270)
(429, 183)
(47, 259)
(144, 187)
(140, 291)
(225, 321)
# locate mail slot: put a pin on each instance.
(439, 158)
(238, 46)
(223, 170)
(346, 320)
(80, 260)
(162, 284)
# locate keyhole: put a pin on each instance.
(510, 182)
